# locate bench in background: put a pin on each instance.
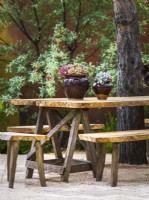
(46, 129)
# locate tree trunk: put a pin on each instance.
(129, 81)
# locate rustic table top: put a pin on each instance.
(88, 102)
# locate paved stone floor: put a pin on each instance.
(133, 184)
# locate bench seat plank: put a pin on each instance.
(117, 136)
(12, 136)
(46, 129)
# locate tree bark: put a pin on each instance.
(129, 81)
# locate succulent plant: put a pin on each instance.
(102, 78)
(72, 69)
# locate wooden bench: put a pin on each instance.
(114, 137)
(12, 153)
(46, 129)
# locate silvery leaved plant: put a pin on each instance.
(102, 78)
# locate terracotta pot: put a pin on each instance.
(102, 91)
(76, 86)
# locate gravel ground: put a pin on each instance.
(133, 184)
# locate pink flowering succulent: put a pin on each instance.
(72, 69)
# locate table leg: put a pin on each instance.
(90, 147)
(71, 145)
(39, 127)
(51, 118)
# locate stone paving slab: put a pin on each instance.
(133, 184)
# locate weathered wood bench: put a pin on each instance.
(114, 137)
(46, 129)
(12, 153)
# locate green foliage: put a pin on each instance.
(57, 33)
(51, 41)
(1, 106)
(110, 125)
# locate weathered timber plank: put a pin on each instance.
(80, 166)
(47, 167)
(38, 130)
(51, 119)
(90, 147)
(56, 165)
(12, 162)
(12, 136)
(30, 102)
(71, 145)
(89, 102)
(101, 152)
(31, 129)
(95, 103)
(117, 136)
(54, 130)
(115, 164)
(39, 156)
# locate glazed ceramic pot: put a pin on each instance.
(102, 91)
(76, 86)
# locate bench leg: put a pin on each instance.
(13, 149)
(101, 153)
(39, 127)
(29, 171)
(115, 164)
(147, 150)
(39, 156)
(8, 158)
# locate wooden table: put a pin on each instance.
(78, 112)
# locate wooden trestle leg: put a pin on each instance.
(71, 146)
(39, 127)
(90, 147)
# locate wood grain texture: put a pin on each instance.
(46, 129)
(71, 146)
(54, 131)
(12, 162)
(101, 152)
(52, 121)
(95, 103)
(38, 130)
(39, 156)
(89, 102)
(90, 147)
(12, 136)
(56, 165)
(29, 102)
(117, 136)
(115, 164)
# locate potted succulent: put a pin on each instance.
(102, 85)
(75, 82)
